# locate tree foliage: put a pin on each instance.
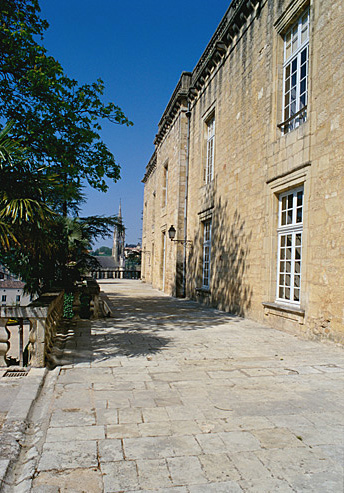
(103, 251)
(57, 120)
(49, 150)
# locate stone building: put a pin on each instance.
(248, 168)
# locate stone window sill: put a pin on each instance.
(285, 311)
(203, 290)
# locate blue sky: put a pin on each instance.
(139, 49)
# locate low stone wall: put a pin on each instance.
(46, 322)
(44, 315)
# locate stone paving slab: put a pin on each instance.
(171, 397)
(16, 401)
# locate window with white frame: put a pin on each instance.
(209, 168)
(165, 186)
(295, 74)
(290, 226)
(206, 253)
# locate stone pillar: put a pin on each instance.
(36, 339)
(4, 340)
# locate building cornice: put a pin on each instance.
(150, 167)
(178, 98)
(236, 16)
(190, 83)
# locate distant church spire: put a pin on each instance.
(120, 210)
(118, 240)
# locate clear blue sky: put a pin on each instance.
(139, 49)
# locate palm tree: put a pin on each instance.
(16, 204)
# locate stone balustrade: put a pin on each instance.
(44, 315)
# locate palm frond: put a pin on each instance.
(7, 237)
(21, 210)
(8, 146)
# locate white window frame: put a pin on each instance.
(295, 87)
(206, 256)
(209, 168)
(165, 186)
(289, 258)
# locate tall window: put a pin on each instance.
(209, 168)
(165, 186)
(295, 79)
(206, 253)
(290, 226)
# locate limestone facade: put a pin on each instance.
(248, 168)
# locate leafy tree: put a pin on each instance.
(47, 152)
(57, 120)
(104, 251)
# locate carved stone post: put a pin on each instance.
(36, 338)
(4, 340)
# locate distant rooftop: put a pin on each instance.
(10, 284)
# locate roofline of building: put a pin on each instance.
(150, 167)
(190, 83)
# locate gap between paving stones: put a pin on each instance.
(169, 396)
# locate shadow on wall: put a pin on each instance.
(229, 290)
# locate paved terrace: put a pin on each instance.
(171, 397)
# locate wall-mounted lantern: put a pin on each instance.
(172, 235)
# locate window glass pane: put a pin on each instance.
(283, 241)
(290, 216)
(304, 28)
(294, 40)
(288, 267)
(297, 267)
(299, 215)
(303, 71)
(296, 294)
(281, 292)
(303, 56)
(298, 239)
(289, 240)
(303, 86)
(287, 293)
(284, 218)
